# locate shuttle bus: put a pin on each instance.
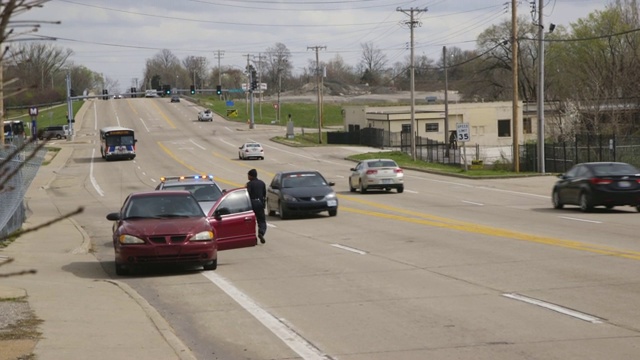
(13, 129)
(117, 143)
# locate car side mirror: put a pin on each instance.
(353, 169)
(240, 148)
(113, 216)
(275, 187)
(331, 183)
(221, 211)
(562, 176)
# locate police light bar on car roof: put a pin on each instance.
(186, 177)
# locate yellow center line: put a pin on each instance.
(503, 233)
(163, 115)
(132, 108)
(419, 218)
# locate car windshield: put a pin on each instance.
(614, 169)
(302, 180)
(381, 163)
(162, 206)
(204, 192)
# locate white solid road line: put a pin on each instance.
(557, 308)
(583, 220)
(349, 249)
(290, 337)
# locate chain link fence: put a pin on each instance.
(12, 208)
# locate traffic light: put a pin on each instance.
(72, 92)
(254, 80)
(219, 89)
(133, 92)
(193, 89)
(105, 94)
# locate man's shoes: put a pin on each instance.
(261, 237)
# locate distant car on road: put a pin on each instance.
(175, 98)
(300, 192)
(251, 150)
(382, 174)
(117, 96)
(163, 228)
(593, 184)
(205, 115)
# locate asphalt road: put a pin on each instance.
(449, 269)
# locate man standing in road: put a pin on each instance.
(258, 193)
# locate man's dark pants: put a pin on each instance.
(258, 209)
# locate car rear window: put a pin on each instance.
(253, 145)
(382, 163)
(614, 169)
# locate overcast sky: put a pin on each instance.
(116, 37)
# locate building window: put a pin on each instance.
(406, 128)
(526, 126)
(431, 127)
(504, 128)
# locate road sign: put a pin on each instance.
(33, 111)
(462, 132)
(275, 106)
(237, 90)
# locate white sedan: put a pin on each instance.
(205, 115)
(382, 174)
(250, 150)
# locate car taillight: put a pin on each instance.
(398, 171)
(369, 172)
(599, 181)
(246, 150)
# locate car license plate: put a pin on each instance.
(332, 203)
(624, 184)
(386, 181)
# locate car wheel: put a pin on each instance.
(58, 136)
(400, 189)
(333, 212)
(121, 270)
(585, 202)
(609, 207)
(638, 208)
(362, 188)
(262, 158)
(270, 211)
(555, 199)
(282, 211)
(239, 157)
(351, 188)
(211, 265)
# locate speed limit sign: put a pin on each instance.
(462, 132)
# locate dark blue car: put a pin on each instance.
(300, 192)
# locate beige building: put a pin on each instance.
(489, 123)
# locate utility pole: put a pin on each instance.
(412, 23)
(446, 99)
(318, 75)
(514, 66)
(219, 54)
(70, 107)
(250, 91)
(541, 136)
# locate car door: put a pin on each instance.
(273, 192)
(233, 220)
(574, 183)
(354, 179)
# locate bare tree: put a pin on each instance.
(166, 66)
(277, 66)
(372, 63)
(197, 67)
(35, 63)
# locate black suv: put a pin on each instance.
(203, 188)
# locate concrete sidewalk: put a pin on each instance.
(84, 316)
